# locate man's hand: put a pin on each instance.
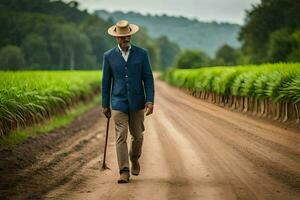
(149, 108)
(106, 112)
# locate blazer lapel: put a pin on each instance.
(119, 55)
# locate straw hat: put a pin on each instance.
(123, 28)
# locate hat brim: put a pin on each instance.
(133, 29)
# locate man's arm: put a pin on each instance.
(148, 84)
(106, 86)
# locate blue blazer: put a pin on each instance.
(128, 85)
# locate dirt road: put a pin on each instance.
(192, 150)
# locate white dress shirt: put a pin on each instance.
(125, 55)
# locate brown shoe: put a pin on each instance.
(135, 168)
(124, 177)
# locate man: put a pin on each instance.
(127, 84)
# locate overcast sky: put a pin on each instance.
(204, 10)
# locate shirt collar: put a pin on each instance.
(122, 50)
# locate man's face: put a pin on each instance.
(124, 42)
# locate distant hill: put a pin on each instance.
(208, 36)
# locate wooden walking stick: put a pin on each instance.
(104, 166)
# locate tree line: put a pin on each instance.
(44, 34)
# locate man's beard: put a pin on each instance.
(125, 45)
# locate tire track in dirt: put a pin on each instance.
(179, 183)
(197, 181)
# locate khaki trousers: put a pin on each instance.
(134, 120)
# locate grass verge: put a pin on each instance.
(17, 136)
